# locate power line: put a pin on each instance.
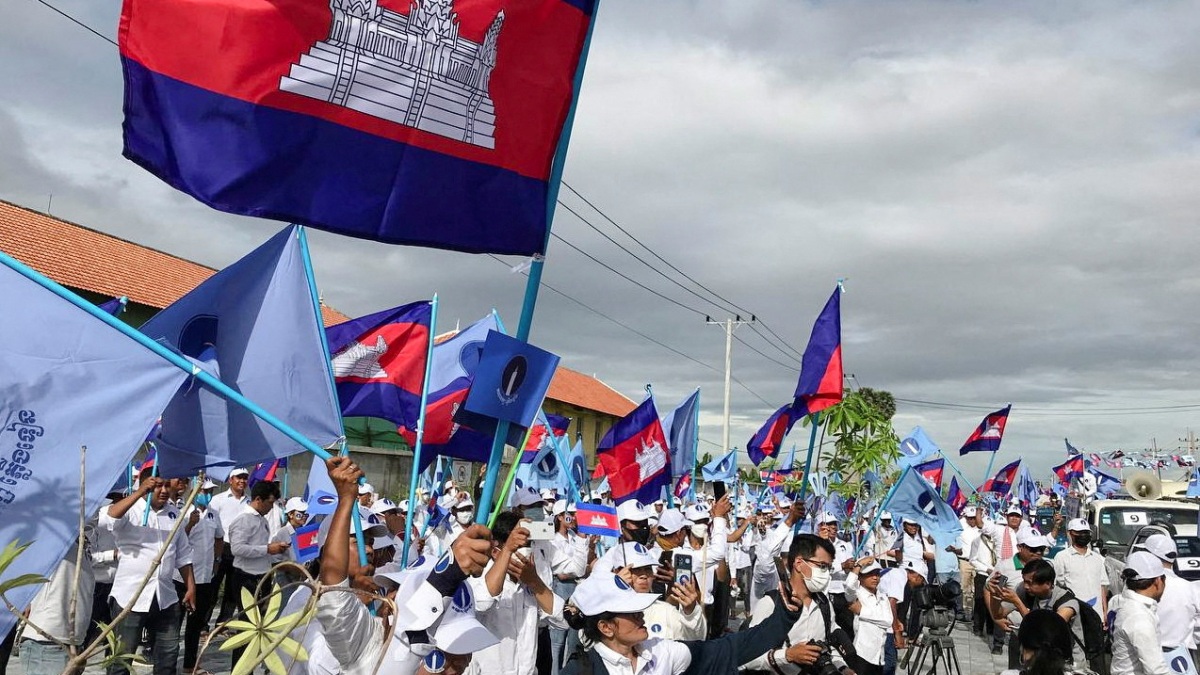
(81, 24)
(638, 332)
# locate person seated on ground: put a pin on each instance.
(421, 639)
(610, 614)
(1046, 645)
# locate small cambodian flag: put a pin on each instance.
(597, 519)
(304, 543)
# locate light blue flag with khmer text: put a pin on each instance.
(254, 325)
(66, 380)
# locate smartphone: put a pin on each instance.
(718, 490)
(665, 559)
(683, 568)
(540, 530)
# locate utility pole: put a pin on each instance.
(730, 326)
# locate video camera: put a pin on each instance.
(934, 605)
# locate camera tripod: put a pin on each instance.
(938, 645)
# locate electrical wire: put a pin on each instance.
(81, 24)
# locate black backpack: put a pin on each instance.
(1095, 638)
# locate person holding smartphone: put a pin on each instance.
(679, 616)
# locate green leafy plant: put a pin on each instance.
(7, 556)
(262, 633)
(863, 438)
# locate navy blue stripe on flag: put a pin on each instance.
(258, 161)
(585, 6)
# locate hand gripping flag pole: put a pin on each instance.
(416, 459)
(165, 353)
(534, 282)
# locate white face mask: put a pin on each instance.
(699, 531)
(464, 517)
(819, 581)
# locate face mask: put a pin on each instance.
(202, 500)
(700, 531)
(464, 517)
(819, 581)
(640, 535)
(1083, 539)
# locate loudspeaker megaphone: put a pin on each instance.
(1143, 486)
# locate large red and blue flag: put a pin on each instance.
(1072, 468)
(955, 497)
(989, 433)
(634, 456)
(821, 384)
(767, 441)
(379, 362)
(932, 471)
(1003, 481)
(425, 122)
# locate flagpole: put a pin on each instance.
(812, 442)
(990, 462)
(882, 507)
(165, 353)
(416, 460)
(512, 475)
(695, 446)
(534, 282)
(957, 470)
(153, 474)
(355, 516)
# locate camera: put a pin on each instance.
(934, 605)
(824, 664)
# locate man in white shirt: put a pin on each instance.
(462, 514)
(962, 549)
(882, 539)
(157, 608)
(510, 600)
(250, 541)
(228, 505)
(1082, 569)
(204, 532)
(1004, 539)
(50, 611)
(567, 565)
(1178, 609)
(911, 545)
(634, 519)
(775, 542)
(707, 542)
(1135, 647)
(895, 585)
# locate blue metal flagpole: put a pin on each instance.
(412, 481)
(882, 507)
(534, 282)
(988, 475)
(355, 516)
(153, 474)
(957, 470)
(165, 353)
(812, 443)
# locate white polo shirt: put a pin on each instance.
(139, 545)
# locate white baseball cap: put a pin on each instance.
(827, 518)
(459, 632)
(1161, 546)
(1145, 565)
(695, 513)
(547, 494)
(296, 504)
(970, 512)
(919, 568)
(872, 568)
(605, 592)
(526, 496)
(464, 502)
(383, 542)
(885, 516)
(908, 521)
(671, 521)
(383, 505)
(239, 472)
(1078, 525)
(785, 503)
(1031, 539)
(208, 485)
(634, 554)
(1013, 510)
(366, 489)
(560, 507)
(633, 510)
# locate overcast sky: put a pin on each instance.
(1010, 190)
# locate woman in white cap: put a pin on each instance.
(611, 615)
(1136, 649)
(873, 618)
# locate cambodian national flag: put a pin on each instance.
(267, 471)
(540, 437)
(684, 486)
(1071, 450)
(989, 433)
(1002, 482)
(379, 363)
(1072, 468)
(955, 497)
(634, 455)
(932, 471)
(423, 122)
(597, 519)
(820, 384)
(304, 542)
(769, 438)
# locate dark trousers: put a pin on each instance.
(100, 611)
(197, 621)
(544, 662)
(718, 611)
(890, 655)
(250, 583)
(980, 617)
(842, 615)
(225, 580)
(1014, 652)
(861, 667)
(163, 626)
(6, 648)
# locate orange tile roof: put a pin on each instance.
(84, 258)
(575, 388)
